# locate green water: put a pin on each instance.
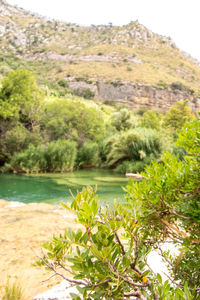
(54, 188)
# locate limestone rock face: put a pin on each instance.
(137, 95)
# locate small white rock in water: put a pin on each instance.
(58, 292)
(134, 176)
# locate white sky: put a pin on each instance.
(179, 19)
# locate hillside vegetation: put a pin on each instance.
(58, 50)
(41, 133)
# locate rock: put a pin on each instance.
(134, 176)
(136, 95)
(59, 292)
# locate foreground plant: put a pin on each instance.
(107, 257)
(12, 291)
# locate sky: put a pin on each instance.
(178, 19)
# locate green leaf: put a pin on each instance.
(159, 278)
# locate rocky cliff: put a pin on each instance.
(136, 95)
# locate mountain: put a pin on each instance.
(128, 64)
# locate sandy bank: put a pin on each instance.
(23, 227)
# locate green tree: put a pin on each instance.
(121, 120)
(20, 97)
(151, 119)
(168, 204)
(72, 119)
(177, 115)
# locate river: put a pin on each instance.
(54, 188)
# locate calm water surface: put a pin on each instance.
(53, 188)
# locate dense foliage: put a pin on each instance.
(56, 156)
(35, 129)
(107, 256)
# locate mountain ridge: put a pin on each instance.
(130, 53)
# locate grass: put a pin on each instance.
(12, 291)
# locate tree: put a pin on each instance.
(178, 114)
(121, 120)
(64, 118)
(20, 97)
(107, 255)
(151, 119)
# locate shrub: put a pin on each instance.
(16, 139)
(162, 85)
(178, 86)
(134, 166)
(88, 155)
(87, 94)
(177, 115)
(56, 156)
(168, 205)
(128, 145)
(62, 117)
(62, 83)
(121, 120)
(141, 111)
(151, 119)
(129, 69)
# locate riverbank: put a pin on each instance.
(23, 228)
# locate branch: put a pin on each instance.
(48, 278)
(100, 283)
(177, 215)
(136, 294)
(120, 243)
(174, 229)
(66, 269)
(136, 253)
(131, 282)
(50, 266)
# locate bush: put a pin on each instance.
(88, 155)
(130, 144)
(141, 111)
(62, 117)
(178, 86)
(56, 156)
(62, 83)
(121, 120)
(134, 166)
(87, 94)
(177, 115)
(151, 119)
(16, 139)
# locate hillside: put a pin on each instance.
(128, 64)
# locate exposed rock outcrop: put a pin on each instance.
(136, 95)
